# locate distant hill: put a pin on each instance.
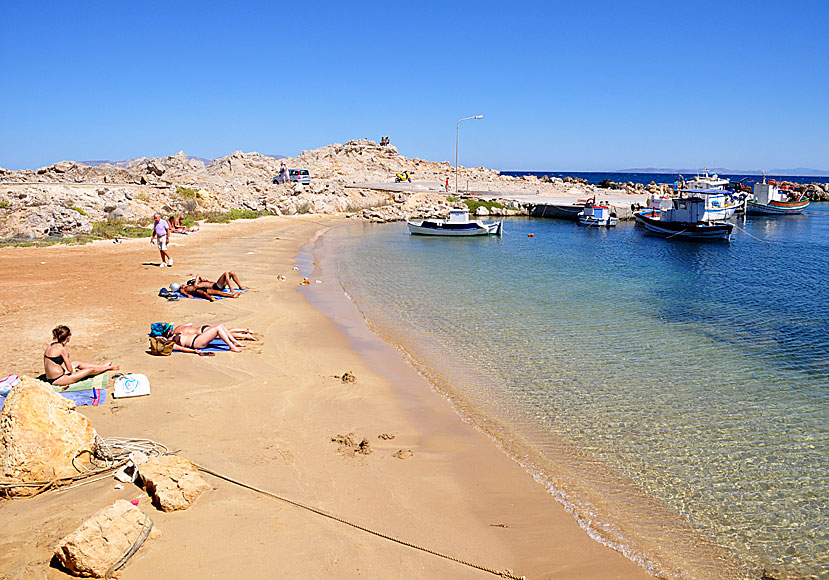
(125, 162)
(799, 171)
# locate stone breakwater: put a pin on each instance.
(66, 198)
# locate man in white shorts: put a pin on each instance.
(161, 230)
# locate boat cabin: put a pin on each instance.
(597, 212)
(764, 193)
(685, 209)
(458, 216)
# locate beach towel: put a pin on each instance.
(167, 293)
(97, 382)
(215, 345)
(89, 397)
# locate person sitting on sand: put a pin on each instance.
(176, 225)
(192, 339)
(193, 291)
(62, 370)
(223, 282)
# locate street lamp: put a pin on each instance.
(457, 136)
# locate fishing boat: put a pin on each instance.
(719, 204)
(458, 224)
(684, 220)
(706, 181)
(597, 215)
(769, 199)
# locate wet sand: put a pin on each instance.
(266, 416)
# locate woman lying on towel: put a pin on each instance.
(226, 280)
(236, 333)
(206, 293)
(62, 370)
(192, 339)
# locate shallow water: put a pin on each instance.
(674, 395)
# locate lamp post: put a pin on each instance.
(457, 137)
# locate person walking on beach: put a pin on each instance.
(161, 230)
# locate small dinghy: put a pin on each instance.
(458, 224)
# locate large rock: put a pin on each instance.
(40, 433)
(100, 542)
(173, 482)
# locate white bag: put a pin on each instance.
(131, 385)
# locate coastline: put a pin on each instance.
(266, 416)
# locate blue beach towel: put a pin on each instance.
(166, 293)
(88, 398)
(215, 345)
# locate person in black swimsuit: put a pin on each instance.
(63, 371)
(226, 280)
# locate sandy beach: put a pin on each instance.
(266, 416)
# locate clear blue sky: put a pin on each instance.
(562, 85)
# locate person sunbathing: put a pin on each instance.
(192, 339)
(236, 333)
(223, 282)
(60, 369)
(178, 227)
(193, 291)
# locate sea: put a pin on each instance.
(673, 395)
(595, 177)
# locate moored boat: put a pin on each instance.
(684, 220)
(769, 199)
(458, 224)
(719, 204)
(706, 181)
(597, 215)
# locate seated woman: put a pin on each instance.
(223, 282)
(192, 339)
(63, 371)
(177, 227)
(207, 293)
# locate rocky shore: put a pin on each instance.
(67, 198)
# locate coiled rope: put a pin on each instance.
(502, 573)
(146, 527)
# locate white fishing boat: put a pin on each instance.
(458, 224)
(684, 220)
(597, 215)
(706, 181)
(770, 199)
(719, 204)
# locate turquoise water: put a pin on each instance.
(673, 395)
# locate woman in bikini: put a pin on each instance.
(60, 369)
(236, 333)
(192, 339)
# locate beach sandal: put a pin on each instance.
(202, 353)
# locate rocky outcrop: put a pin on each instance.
(173, 482)
(99, 543)
(40, 433)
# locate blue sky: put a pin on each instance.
(562, 85)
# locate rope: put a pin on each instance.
(146, 527)
(502, 573)
(750, 236)
(105, 456)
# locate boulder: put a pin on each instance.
(40, 433)
(173, 482)
(100, 542)
(482, 210)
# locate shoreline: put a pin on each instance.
(266, 417)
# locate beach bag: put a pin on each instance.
(160, 346)
(131, 385)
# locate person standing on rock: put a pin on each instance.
(161, 230)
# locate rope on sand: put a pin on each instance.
(502, 573)
(146, 527)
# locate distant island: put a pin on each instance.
(799, 171)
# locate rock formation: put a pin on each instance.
(173, 482)
(40, 433)
(100, 542)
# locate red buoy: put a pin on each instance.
(530, 235)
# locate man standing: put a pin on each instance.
(161, 230)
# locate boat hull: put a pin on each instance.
(695, 231)
(436, 228)
(777, 207)
(603, 223)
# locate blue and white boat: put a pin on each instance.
(684, 220)
(597, 215)
(458, 224)
(719, 204)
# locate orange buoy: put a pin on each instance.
(530, 235)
